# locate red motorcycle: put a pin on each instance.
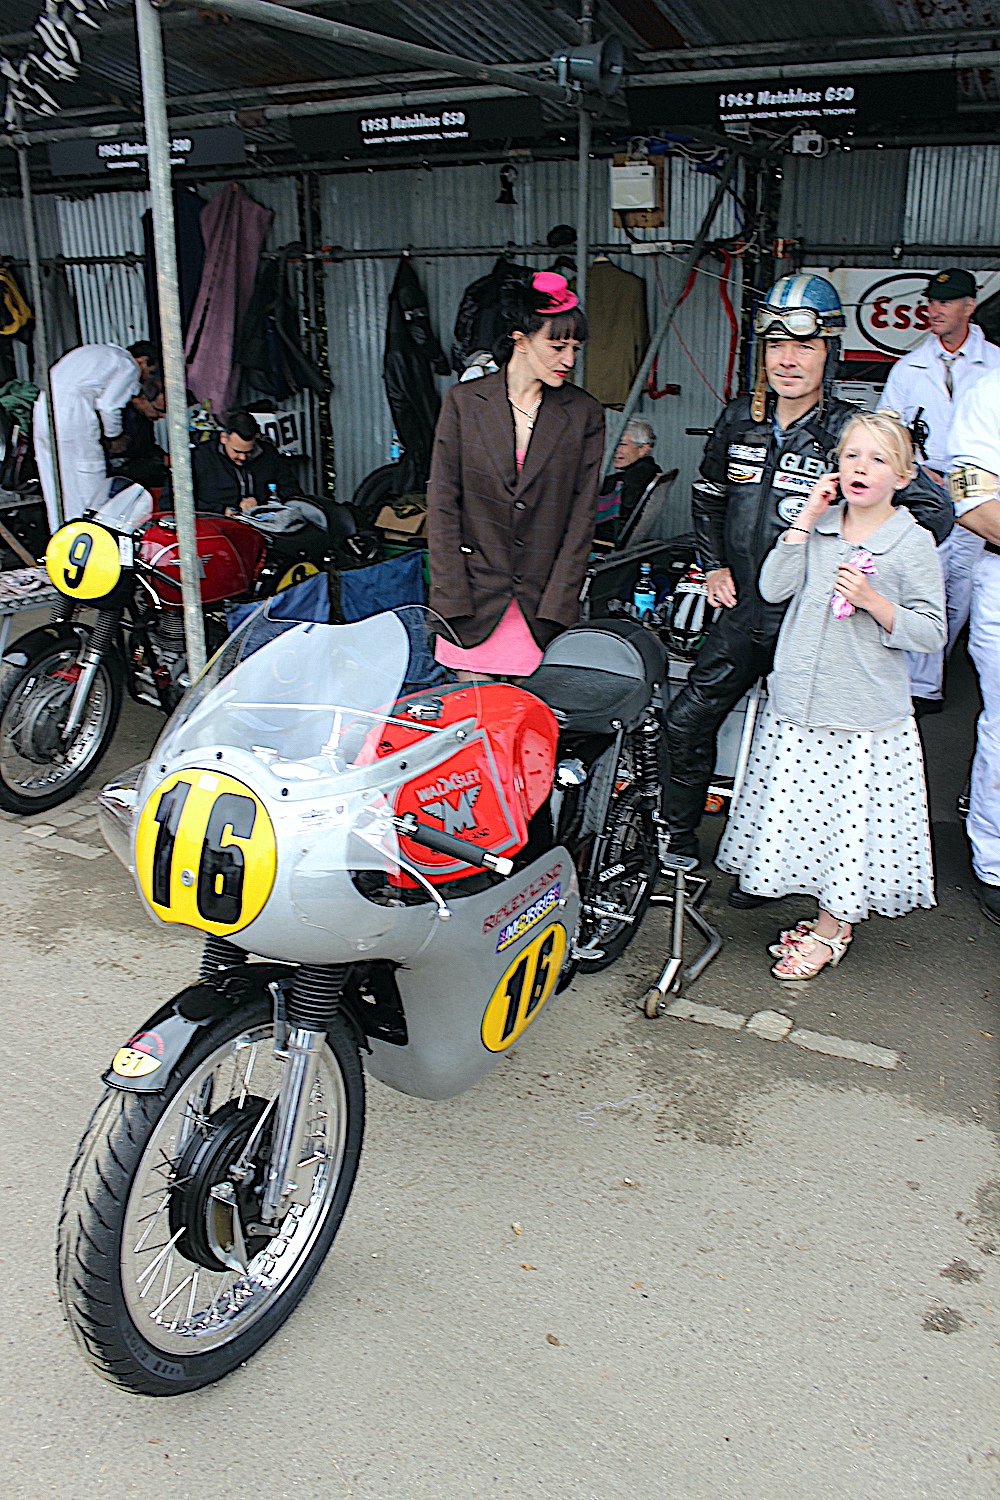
(61, 685)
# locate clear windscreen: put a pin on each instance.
(294, 691)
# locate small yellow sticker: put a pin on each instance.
(128, 1063)
(83, 560)
(297, 573)
(205, 852)
(524, 989)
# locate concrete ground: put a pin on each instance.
(642, 1259)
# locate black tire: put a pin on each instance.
(33, 703)
(107, 1199)
(633, 843)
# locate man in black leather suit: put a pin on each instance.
(763, 457)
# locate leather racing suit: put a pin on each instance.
(751, 486)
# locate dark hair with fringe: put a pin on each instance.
(242, 424)
(523, 311)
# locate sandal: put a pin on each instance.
(798, 963)
(791, 938)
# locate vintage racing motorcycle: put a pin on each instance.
(379, 868)
(61, 685)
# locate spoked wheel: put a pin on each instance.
(622, 901)
(38, 768)
(168, 1278)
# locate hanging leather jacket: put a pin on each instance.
(268, 348)
(750, 488)
(412, 358)
(480, 322)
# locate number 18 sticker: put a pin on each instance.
(524, 989)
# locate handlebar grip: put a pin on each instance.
(445, 843)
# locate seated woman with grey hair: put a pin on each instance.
(624, 487)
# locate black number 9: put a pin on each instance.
(79, 554)
(220, 874)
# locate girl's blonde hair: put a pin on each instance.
(888, 431)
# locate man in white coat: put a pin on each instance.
(90, 387)
(928, 383)
(975, 484)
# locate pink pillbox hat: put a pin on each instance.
(556, 288)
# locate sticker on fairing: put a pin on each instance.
(744, 474)
(128, 1063)
(529, 918)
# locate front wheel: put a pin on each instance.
(167, 1277)
(39, 769)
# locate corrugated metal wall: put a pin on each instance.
(846, 198)
(456, 206)
(953, 196)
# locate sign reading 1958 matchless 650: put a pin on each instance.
(416, 130)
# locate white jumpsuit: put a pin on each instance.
(90, 386)
(918, 381)
(975, 441)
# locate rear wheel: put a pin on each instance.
(168, 1278)
(39, 769)
(621, 901)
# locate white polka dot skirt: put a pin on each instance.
(836, 814)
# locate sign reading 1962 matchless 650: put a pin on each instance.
(833, 103)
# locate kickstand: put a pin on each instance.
(684, 900)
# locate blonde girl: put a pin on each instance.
(834, 804)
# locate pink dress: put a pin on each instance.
(509, 650)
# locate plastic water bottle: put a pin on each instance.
(272, 495)
(644, 597)
(395, 448)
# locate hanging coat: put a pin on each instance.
(412, 357)
(619, 332)
(188, 207)
(480, 313)
(234, 228)
(90, 387)
(269, 348)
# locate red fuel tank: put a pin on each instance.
(488, 791)
(230, 557)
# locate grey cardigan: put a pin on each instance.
(852, 674)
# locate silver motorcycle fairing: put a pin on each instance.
(448, 988)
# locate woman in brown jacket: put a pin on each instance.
(512, 494)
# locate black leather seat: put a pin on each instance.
(590, 677)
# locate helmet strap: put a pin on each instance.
(758, 402)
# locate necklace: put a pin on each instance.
(529, 416)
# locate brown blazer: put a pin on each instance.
(496, 535)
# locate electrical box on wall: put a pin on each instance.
(636, 190)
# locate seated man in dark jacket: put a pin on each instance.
(233, 468)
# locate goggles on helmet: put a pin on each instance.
(788, 322)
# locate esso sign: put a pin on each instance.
(891, 314)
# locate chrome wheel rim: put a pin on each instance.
(32, 778)
(179, 1305)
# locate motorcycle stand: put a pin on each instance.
(683, 900)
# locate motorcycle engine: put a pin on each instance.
(167, 639)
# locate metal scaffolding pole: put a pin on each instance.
(584, 132)
(154, 98)
(41, 337)
(690, 261)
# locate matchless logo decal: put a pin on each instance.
(457, 817)
(529, 918)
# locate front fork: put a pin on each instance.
(302, 1020)
(89, 659)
